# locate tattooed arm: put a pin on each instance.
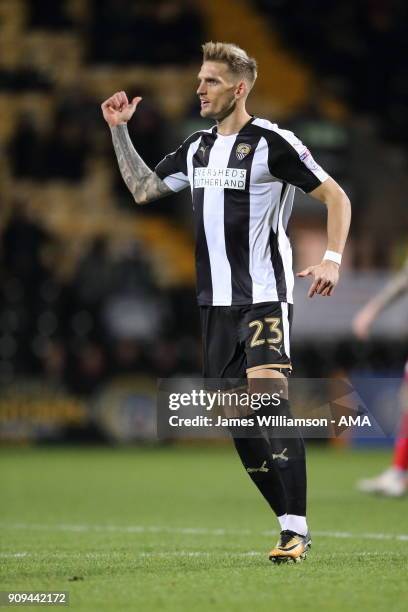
(143, 183)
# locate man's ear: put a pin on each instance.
(241, 89)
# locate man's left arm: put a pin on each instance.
(326, 274)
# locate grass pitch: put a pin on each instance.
(173, 529)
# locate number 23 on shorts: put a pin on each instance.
(272, 324)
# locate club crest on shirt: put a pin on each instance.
(242, 150)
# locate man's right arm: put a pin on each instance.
(143, 183)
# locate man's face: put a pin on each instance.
(216, 89)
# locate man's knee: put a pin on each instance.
(268, 380)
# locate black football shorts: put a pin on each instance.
(241, 339)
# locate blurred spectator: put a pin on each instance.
(95, 274)
(129, 357)
(24, 79)
(119, 31)
(47, 14)
(165, 355)
(22, 245)
(66, 152)
(352, 46)
(59, 153)
(177, 20)
(67, 147)
(124, 32)
(28, 150)
(76, 106)
(88, 368)
(54, 362)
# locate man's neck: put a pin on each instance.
(233, 123)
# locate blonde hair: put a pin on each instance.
(236, 59)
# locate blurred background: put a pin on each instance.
(97, 296)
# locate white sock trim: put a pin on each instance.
(296, 523)
(282, 521)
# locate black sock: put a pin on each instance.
(292, 470)
(289, 457)
(255, 455)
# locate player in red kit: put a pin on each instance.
(394, 481)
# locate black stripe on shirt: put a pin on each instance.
(276, 257)
(285, 164)
(203, 266)
(287, 207)
(177, 161)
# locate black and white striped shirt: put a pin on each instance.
(243, 187)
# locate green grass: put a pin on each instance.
(132, 550)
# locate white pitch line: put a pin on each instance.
(201, 553)
(172, 553)
(128, 529)
(195, 531)
(249, 553)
